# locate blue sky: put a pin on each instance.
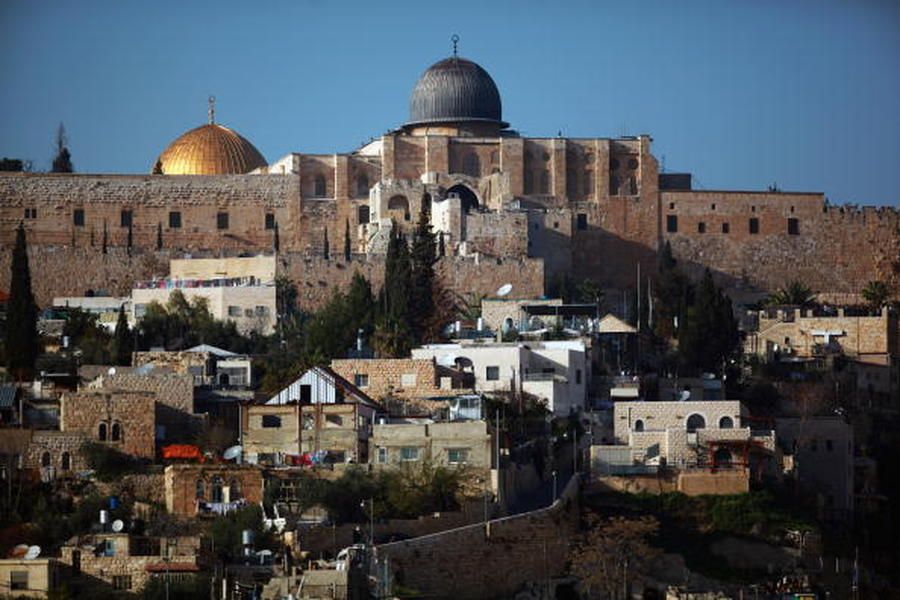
(742, 94)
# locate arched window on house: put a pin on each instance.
(235, 489)
(101, 432)
(216, 491)
(66, 461)
(726, 423)
(116, 435)
(45, 459)
(200, 490)
(362, 186)
(695, 422)
(639, 425)
(319, 189)
(362, 214)
(471, 165)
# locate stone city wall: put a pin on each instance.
(492, 560)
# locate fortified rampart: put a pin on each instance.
(488, 560)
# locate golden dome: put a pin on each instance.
(210, 150)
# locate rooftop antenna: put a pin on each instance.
(211, 110)
(455, 39)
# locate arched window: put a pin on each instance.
(101, 432)
(362, 186)
(545, 181)
(235, 489)
(362, 214)
(468, 199)
(45, 459)
(216, 492)
(319, 189)
(613, 185)
(399, 203)
(726, 423)
(200, 490)
(639, 425)
(66, 462)
(632, 185)
(116, 433)
(722, 457)
(695, 422)
(471, 165)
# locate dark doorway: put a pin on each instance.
(468, 198)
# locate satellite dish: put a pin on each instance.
(118, 525)
(504, 289)
(33, 552)
(233, 452)
(112, 371)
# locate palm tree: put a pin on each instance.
(796, 293)
(876, 293)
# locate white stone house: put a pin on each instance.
(555, 372)
(682, 435)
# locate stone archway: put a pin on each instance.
(468, 198)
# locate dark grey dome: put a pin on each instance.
(455, 90)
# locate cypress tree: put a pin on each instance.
(62, 162)
(159, 240)
(122, 340)
(326, 252)
(22, 314)
(130, 240)
(157, 168)
(276, 241)
(422, 258)
(103, 247)
(347, 240)
(441, 250)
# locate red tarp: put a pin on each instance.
(182, 451)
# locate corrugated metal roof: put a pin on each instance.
(7, 395)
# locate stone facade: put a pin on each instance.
(126, 562)
(22, 578)
(186, 484)
(58, 450)
(405, 378)
(806, 334)
(173, 396)
(452, 444)
(490, 560)
(124, 420)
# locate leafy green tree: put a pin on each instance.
(158, 168)
(62, 162)
(123, 342)
(12, 165)
(326, 251)
(87, 337)
(347, 245)
(876, 293)
(181, 324)
(22, 345)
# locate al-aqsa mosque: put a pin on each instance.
(510, 209)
